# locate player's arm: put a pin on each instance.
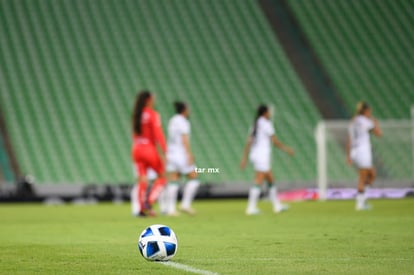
(246, 152)
(187, 147)
(376, 130)
(276, 142)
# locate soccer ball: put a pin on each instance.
(158, 243)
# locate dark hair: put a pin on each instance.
(361, 107)
(180, 107)
(140, 102)
(261, 110)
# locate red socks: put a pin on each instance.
(142, 194)
(156, 190)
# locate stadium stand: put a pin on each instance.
(366, 46)
(71, 70)
(303, 59)
(6, 173)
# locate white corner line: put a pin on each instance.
(188, 268)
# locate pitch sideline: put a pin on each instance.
(189, 268)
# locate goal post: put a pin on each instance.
(393, 155)
(412, 135)
(320, 136)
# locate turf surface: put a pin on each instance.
(312, 237)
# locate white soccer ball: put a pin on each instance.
(157, 243)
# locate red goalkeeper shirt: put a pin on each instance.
(151, 130)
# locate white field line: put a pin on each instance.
(189, 268)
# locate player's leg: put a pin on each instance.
(277, 205)
(361, 196)
(366, 177)
(142, 188)
(172, 191)
(135, 205)
(172, 187)
(163, 202)
(189, 192)
(139, 155)
(157, 165)
(254, 194)
(370, 177)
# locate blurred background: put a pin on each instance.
(70, 71)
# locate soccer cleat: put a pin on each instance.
(151, 213)
(189, 211)
(281, 208)
(141, 214)
(173, 214)
(252, 212)
(147, 211)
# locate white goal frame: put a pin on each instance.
(321, 139)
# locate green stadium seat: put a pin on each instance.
(72, 70)
(366, 47)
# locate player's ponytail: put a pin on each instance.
(179, 107)
(140, 102)
(261, 110)
(361, 107)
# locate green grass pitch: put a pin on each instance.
(312, 237)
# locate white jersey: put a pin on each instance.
(359, 132)
(177, 127)
(261, 144)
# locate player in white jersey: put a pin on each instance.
(180, 161)
(359, 150)
(259, 148)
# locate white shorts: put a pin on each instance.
(361, 157)
(178, 163)
(261, 163)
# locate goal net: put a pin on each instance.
(393, 155)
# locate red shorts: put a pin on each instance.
(146, 156)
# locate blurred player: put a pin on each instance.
(148, 150)
(359, 150)
(259, 148)
(180, 161)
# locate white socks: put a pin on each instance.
(171, 197)
(168, 198)
(360, 200)
(254, 194)
(277, 206)
(135, 206)
(163, 202)
(190, 191)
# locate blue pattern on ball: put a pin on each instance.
(152, 248)
(165, 231)
(147, 233)
(170, 248)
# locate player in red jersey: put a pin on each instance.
(148, 150)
